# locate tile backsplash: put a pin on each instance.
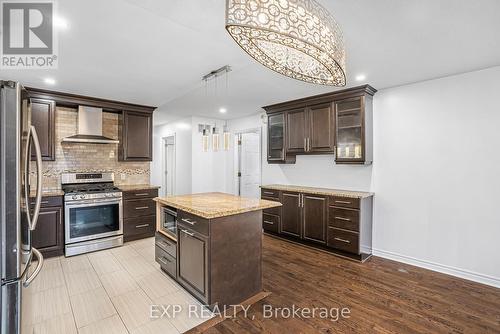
(78, 157)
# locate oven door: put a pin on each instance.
(88, 220)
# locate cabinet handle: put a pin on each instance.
(305, 144)
(188, 233)
(165, 244)
(268, 222)
(342, 202)
(342, 218)
(141, 226)
(163, 259)
(142, 207)
(308, 144)
(142, 194)
(268, 193)
(187, 220)
(342, 240)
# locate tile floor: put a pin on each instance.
(108, 292)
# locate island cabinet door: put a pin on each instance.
(314, 217)
(291, 214)
(193, 262)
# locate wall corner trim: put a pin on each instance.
(453, 271)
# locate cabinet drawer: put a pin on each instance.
(166, 244)
(270, 193)
(166, 261)
(138, 208)
(273, 211)
(343, 240)
(48, 201)
(141, 225)
(344, 202)
(270, 223)
(343, 218)
(193, 222)
(137, 194)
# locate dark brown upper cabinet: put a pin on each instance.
(43, 118)
(296, 124)
(321, 129)
(136, 133)
(354, 130)
(337, 123)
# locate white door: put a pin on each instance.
(169, 166)
(250, 165)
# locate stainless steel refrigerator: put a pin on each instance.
(19, 262)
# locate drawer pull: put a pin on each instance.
(141, 226)
(164, 244)
(142, 207)
(189, 221)
(188, 233)
(343, 202)
(342, 218)
(342, 240)
(44, 202)
(268, 193)
(268, 222)
(142, 194)
(164, 260)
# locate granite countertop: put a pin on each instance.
(319, 191)
(215, 205)
(48, 192)
(136, 187)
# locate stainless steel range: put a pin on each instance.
(93, 212)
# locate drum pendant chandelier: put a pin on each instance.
(297, 38)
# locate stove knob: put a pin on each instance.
(74, 197)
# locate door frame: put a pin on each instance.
(164, 159)
(237, 157)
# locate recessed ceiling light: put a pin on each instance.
(49, 81)
(59, 22)
(361, 77)
(222, 110)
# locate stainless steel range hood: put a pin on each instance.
(89, 128)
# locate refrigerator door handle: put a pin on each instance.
(30, 278)
(38, 201)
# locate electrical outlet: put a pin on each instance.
(111, 154)
(123, 176)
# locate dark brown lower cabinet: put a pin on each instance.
(193, 261)
(219, 260)
(139, 214)
(340, 224)
(291, 214)
(48, 237)
(314, 217)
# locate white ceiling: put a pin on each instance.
(155, 52)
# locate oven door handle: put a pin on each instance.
(89, 203)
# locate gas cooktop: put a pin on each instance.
(90, 188)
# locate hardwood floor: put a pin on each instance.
(383, 296)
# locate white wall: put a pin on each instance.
(436, 174)
(182, 129)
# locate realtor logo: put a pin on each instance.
(28, 37)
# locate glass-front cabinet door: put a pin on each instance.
(350, 130)
(276, 137)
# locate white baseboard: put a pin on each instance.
(462, 273)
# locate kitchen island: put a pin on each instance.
(216, 250)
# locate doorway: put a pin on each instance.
(169, 165)
(249, 163)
